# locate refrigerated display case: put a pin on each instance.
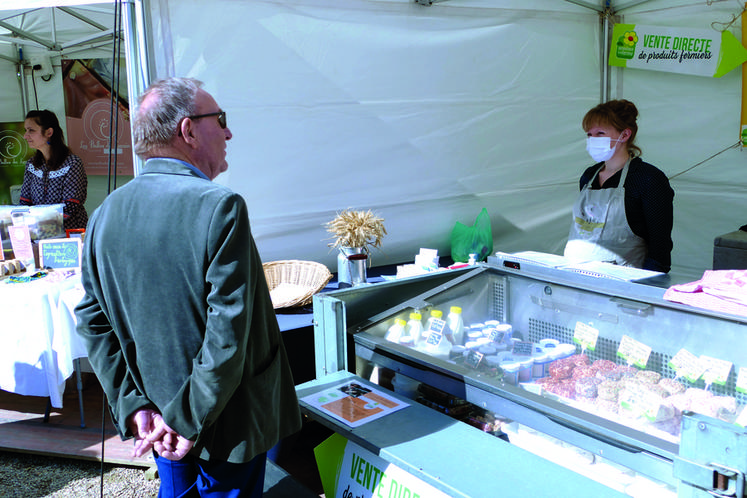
(618, 433)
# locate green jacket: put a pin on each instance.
(177, 314)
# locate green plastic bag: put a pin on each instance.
(477, 239)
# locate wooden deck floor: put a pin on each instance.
(22, 427)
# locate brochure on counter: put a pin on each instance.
(353, 403)
(592, 268)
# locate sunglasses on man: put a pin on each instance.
(221, 117)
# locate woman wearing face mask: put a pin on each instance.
(54, 175)
(624, 211)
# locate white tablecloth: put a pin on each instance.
(38, 342)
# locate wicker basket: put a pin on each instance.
(293, 282)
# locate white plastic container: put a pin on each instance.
(525, 370)
(405, 386)
(507, 329)
(565, 350)
(511, 371)
(396, 331)
(549, 343)
(541, 366)
(455, 323)
(413, 330)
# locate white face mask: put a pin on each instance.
(599, 148)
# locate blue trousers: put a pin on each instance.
(192, 477)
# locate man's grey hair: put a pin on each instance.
(155, 125)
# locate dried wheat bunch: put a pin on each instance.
(356, 229)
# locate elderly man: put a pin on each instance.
(177, 317)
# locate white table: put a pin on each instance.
(38, 342)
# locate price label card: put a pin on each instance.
(435, 332)
(687, 365)
(434, 338)
(437, 325)
(586, 336)
(496, 335)
(522, 348)
(716, 371)
(742, 381)
(633, 352)
(473, 359)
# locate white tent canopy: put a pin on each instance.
(425, 114)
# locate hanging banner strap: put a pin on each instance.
(700, 52)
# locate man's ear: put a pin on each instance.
(186, 131)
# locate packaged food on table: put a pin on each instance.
(586, 387)
(672, 386)
(609, 390)
(648, 376)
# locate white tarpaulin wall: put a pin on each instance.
(427, 114)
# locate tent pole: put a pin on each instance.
(743, 127)
(137, 57)
(605, 80)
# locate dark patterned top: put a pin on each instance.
(649, 206)
(68, 185)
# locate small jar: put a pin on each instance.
(541, 366)
(525, 370)
(565, 350)
(549, 343)
(511, 371)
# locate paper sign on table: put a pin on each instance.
(687, 365)
(354, 404)
(20, 239)
(742, 381)
(717, 371)
(633, 352)
(586, 336)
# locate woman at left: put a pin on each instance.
(54, 175)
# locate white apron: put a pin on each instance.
(600, 230)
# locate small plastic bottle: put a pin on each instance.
(396, 331)
(455, 323)
(437, 333)
(413, 330)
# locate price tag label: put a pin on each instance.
(644, 404)
(437, 325)
(742, 381)
(434, 338)
(633, 352)
(586, 336)
(496, 335)
(687, 365)
(716, 371)
(435, 332)
(473, 359)
(522, 348)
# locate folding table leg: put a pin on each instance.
(47, 410)
(79, 385)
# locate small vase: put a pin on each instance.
(351, 266)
